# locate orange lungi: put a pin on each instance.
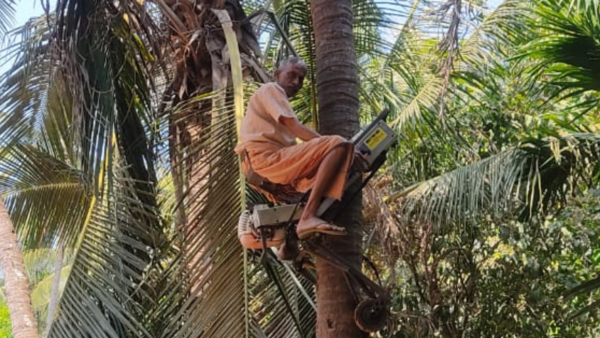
(297, 165)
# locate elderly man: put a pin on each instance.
(268, 146)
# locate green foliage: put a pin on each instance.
(475, 257)
(5, 327)
(500, 277)
(481, 235)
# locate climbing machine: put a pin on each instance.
(267, 225)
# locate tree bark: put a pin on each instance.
(24, 324)
(337, 93)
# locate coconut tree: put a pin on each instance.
(337, 94)
(137, 131)
(23, 323)
(104, 127)
(45, 168)
(566, 48)
(16, 282)
(101, 136)
(109, 83)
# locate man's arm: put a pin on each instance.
(276, 104)
(298, 129)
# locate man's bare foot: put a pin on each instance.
(315, 225)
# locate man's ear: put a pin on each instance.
(277, 72)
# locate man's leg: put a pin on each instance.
(328, 169)
(309, 223)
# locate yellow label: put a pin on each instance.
(375, 139)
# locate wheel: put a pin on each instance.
(371, 315)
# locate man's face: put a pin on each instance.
(291, 78)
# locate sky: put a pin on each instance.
(29, 8)
(25, 9)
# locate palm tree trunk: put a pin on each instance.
(337, 93)
(24, 324)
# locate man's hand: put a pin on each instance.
(361, 161)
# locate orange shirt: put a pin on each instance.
(261, 128)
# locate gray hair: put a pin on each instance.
(292, 61)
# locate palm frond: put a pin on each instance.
(588, 309)
(26, 83)
(7, 10)
(283, 303)
(113, 277)
(533, 176)
(566, 42)
(102, 82)
(113, 242)
(501, 25)
(499, 31)
(39, 189)
(40, 294)
(209, 267)
(372, 20)
(106, 280)
(39, 262)
(583, 288)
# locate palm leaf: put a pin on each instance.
(211, 255)
(39, 189)
(40, 295)
(26, 84)
(281, 303)
(587, 309)
(107, 278)
(113, 276)
(534, 175)
(103, 82)
(7, 11)
(497, 29)
(566, 42)
(583, 288)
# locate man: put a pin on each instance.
(268, 146)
